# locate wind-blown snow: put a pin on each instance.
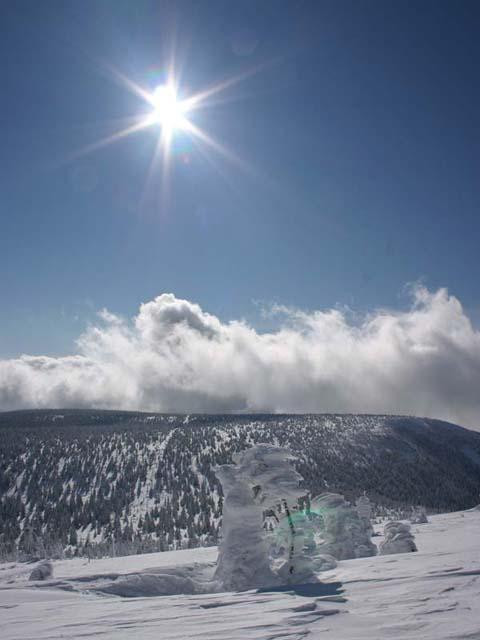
(176, 357)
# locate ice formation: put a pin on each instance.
(344, 534)
(398, 539)
(261, 478)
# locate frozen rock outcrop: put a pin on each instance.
(398, 539)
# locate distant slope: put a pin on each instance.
(127, 481)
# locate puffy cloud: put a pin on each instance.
(173, 356)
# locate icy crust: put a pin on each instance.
(398, 539)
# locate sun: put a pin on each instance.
(172, 113)
(168, 110)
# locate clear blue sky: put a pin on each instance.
(363, 136)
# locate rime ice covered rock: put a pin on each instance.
(398, 539)
(343, 532)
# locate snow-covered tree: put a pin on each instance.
(419, 516)
(42, 571)
(294, 547)
(364, 510)
(261, 477)
(398, 539)
(343, 533)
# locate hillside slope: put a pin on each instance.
(112, 482)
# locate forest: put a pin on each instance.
(97, 483)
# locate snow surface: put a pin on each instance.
(432, 594)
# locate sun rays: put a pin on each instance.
(170, 114)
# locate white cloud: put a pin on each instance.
(174, 356)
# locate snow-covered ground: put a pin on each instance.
(432, 594)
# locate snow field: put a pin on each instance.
(432, 594)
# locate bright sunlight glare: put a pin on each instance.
(168, 111)
(170, 114)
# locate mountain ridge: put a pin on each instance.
(94, 480)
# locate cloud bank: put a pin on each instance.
(174, 357)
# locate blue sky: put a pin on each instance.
(360, 129)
